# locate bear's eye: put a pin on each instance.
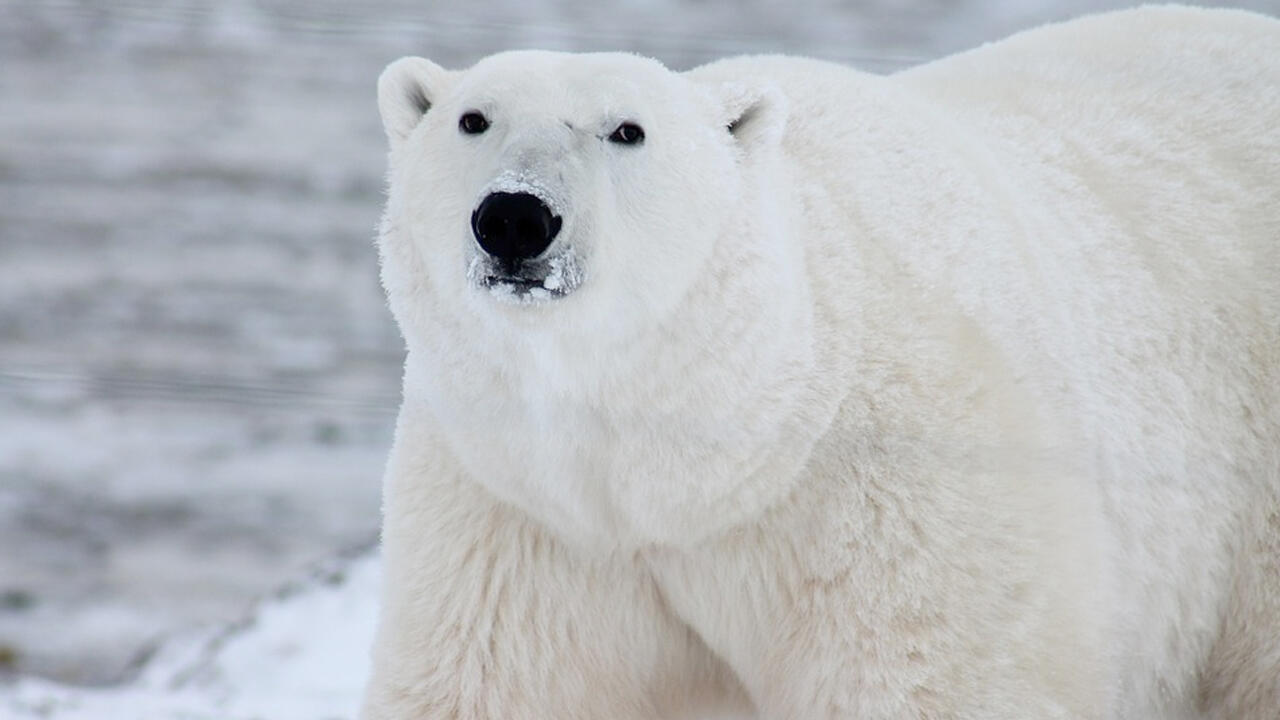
(473, 123)
(628, 134)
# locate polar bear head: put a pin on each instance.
(587, 246)
(535, 176)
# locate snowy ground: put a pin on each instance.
(274, 666)
(197, 373)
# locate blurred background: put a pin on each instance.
(198, 377)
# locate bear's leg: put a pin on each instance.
(1242, 677)
(899, 600)
(485, 616)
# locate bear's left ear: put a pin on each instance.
(754, 113)
(406, 91)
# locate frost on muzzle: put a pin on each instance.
(515, 231)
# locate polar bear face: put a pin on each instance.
(537, 176)
(572, 244)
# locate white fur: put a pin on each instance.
(951, 394)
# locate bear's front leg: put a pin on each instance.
(486, 616)
(896, 598)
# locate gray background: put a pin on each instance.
(198, 377)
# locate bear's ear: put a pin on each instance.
(754, 113)
(406, 91)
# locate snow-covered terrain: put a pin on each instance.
(300, 657)
(198, 377)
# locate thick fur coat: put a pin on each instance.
(948, 394)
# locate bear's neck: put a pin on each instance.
(691, 428)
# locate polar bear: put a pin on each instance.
(775, 389)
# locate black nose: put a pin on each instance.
(514, 226)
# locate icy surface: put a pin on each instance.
(301, 656)
(198, 376)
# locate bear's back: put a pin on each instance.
(1146, 107)
(1064, 183)
(1146, 147)
(1166, 88)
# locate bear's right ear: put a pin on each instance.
(406, 91)
(754, 113)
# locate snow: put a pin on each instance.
(522, 182)
(300, 656)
